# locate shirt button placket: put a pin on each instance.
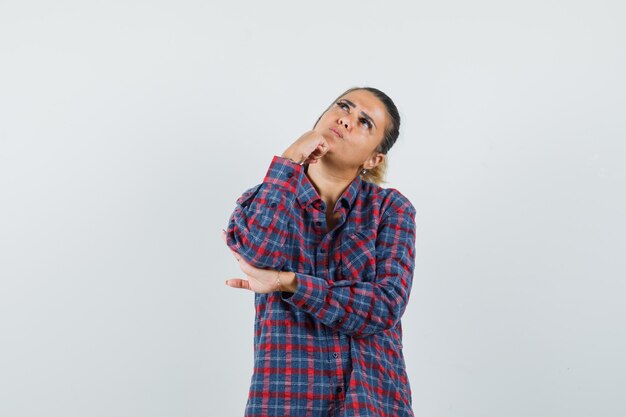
(321, 260)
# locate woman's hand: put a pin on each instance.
(308, 148)
(260, 280)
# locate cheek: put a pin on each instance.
(326, 118)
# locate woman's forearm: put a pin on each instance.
(258, 227)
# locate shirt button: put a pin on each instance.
(339, 389)
(322, 250)
(318, 223)
(272, 205)
(289, 174)
(335, 355)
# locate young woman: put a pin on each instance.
(330, 255)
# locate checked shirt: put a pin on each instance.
(334, 346)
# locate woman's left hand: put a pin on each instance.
(258, 280)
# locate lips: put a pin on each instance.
(336, 132)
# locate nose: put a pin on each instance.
(344, 122)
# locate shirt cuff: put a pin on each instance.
(310, 293)
(284, 172)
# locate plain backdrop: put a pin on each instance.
(129, 128)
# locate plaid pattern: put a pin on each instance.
(334, 347)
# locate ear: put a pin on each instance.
(376, 159)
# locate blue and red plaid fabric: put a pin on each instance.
(334, 347)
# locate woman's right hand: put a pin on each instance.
(308, 148)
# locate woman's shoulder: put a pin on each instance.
(388, 198)
(248, 195)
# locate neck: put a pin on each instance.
(329, 182)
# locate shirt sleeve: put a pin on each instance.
(257, 228)
(358, 308)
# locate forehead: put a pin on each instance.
(369, 104)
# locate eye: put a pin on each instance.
(342, 105)
(366, 122)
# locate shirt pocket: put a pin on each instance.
(358, 256)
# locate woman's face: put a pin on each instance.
(354, 126)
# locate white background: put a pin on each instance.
(128, 129)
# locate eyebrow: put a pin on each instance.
(362, 112)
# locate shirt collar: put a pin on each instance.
(307, 194)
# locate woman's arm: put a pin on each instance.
(257, 228)
(360, 308)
